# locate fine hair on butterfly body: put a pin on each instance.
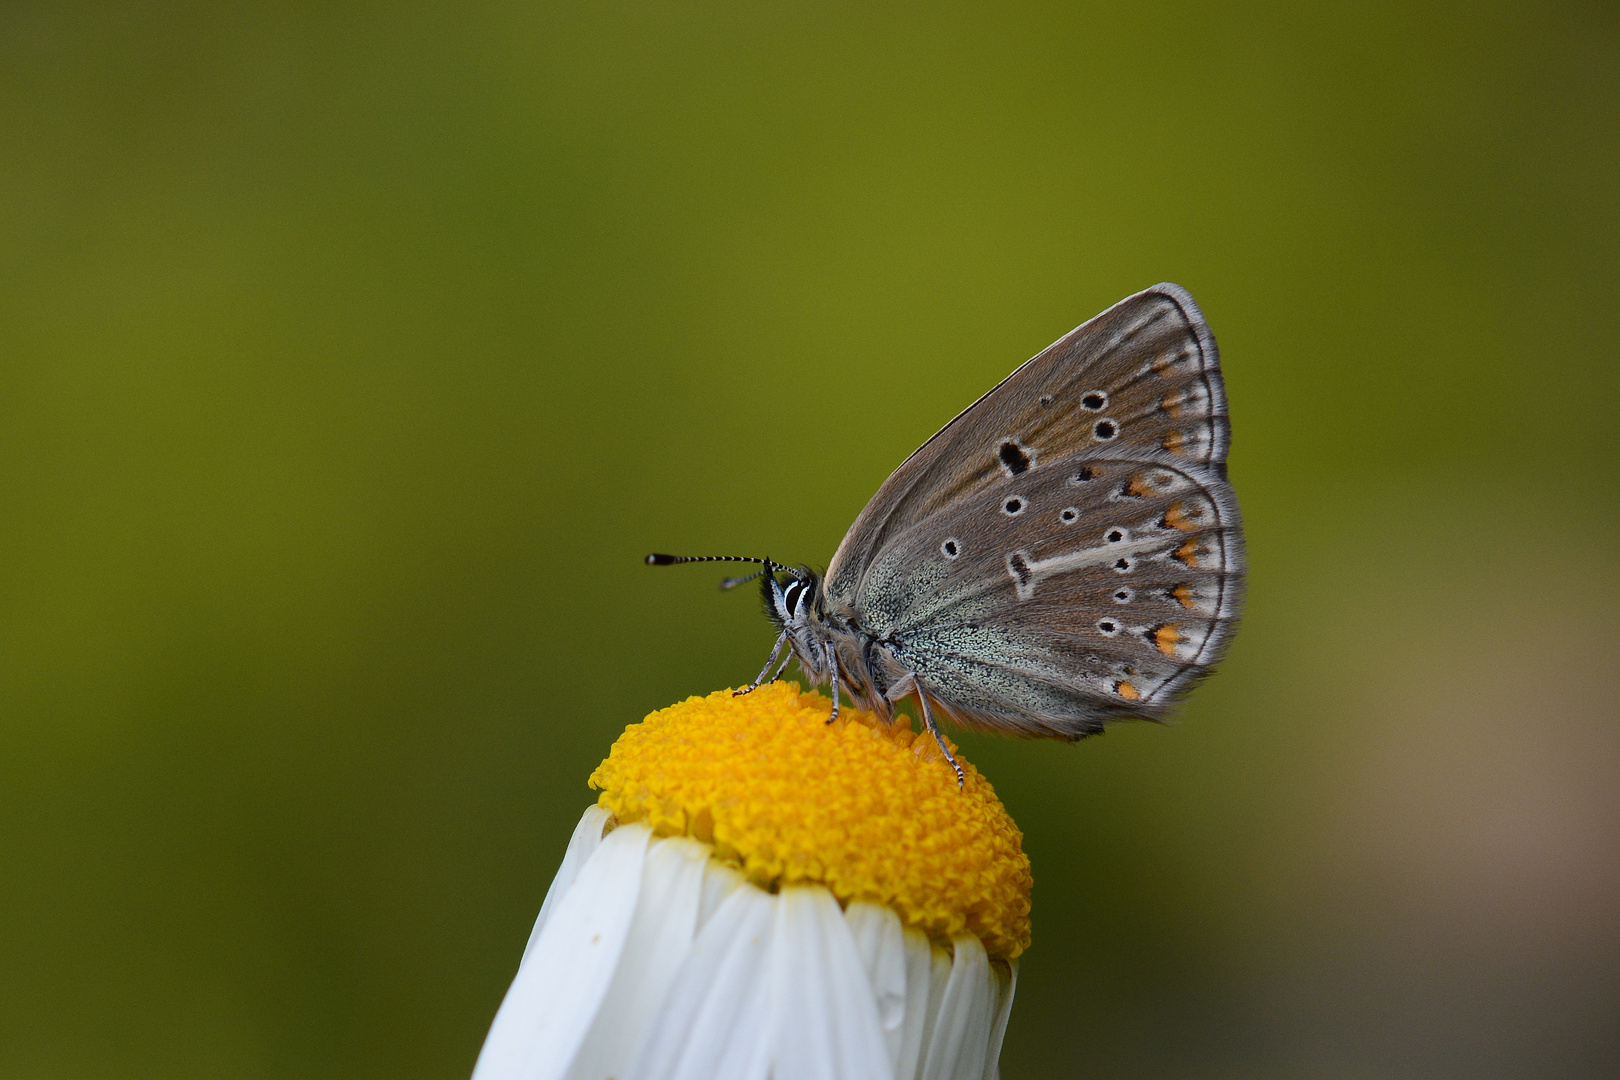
(1066, 552)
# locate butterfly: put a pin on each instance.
(1064, 553)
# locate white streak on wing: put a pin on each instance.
(1037, 570)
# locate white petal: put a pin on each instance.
(826, 1019)
(659, 941)
(550, 1005)
(882, 946)
(956, 1046)
(719, 881)
(712, 1024)
(587, 835)
(1006, 985)
(919, 979)
(939, 977)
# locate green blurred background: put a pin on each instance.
(352, 354)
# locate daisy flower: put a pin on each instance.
(761, 894)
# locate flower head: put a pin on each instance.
(758, 893)
(863, 807)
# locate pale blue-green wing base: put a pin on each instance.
(1086, 589)
(1142, 377)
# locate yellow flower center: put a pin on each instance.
(868, 809)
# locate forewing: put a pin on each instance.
(1091, 588)
(1142, 377)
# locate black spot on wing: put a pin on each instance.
(1013, 457)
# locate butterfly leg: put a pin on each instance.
(786, 660)
(832, 668)
(775, 652)
(933, 729)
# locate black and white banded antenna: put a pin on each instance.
(767, 566)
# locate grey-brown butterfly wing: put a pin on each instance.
(1089, 588)
(1143, 376)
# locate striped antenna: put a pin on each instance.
(656, 559)
(767, 566)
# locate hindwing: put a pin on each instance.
(1087, 588)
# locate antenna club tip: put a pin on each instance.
(656, 559)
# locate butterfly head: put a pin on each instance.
(789, 603)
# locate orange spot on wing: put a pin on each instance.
(1184, 594)
(1127, 691)
(1173, 442)
(1166, 637)
(1140, 487)
(1176, 518)
(1188, 553)
(1171, 402)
